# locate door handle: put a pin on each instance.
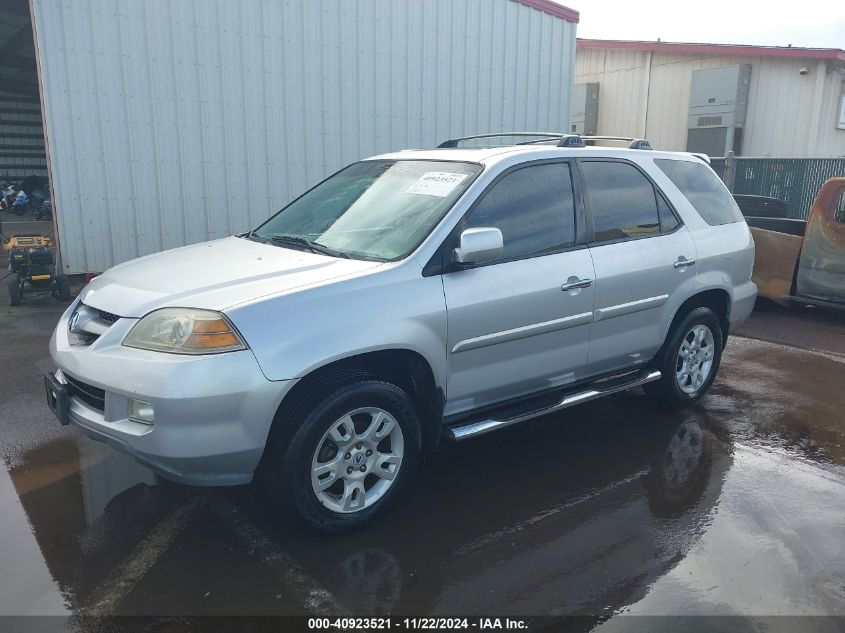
(575, 285)
(683, 262)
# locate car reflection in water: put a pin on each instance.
(574, 515)
(581, 523)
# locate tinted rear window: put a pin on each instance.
(622, 201)
(703, 189)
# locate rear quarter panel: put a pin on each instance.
(726, 259)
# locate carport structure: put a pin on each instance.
(22, 150)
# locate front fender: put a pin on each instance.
(293, 334)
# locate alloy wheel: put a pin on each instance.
(357, 460)
(695, 359)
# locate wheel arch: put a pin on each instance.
(717, 299)
(405, 368)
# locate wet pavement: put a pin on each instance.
(806, 327)
(611, 509)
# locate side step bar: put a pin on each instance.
(480, 427)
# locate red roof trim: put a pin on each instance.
(729, 50)
(553, 8)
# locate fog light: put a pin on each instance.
(140, 411)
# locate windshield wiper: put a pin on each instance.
(251, 235)
(314, 247)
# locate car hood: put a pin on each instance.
(213, 275)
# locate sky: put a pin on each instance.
(806, 23)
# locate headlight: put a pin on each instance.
(184, 331)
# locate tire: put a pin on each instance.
(62, 288)
(681, 384)
(15, 294)
(353, 490)
(19, 211)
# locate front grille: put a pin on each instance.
(107, 316)
(90, 395)
(87, 324)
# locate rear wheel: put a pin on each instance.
(15, 293)
(348, 458)
(688, 360)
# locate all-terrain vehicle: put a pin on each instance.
(32, 264)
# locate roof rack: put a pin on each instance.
(563, 139)
(635, 143)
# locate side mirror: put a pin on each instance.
(479, 245)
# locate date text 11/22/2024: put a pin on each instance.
(423, 623)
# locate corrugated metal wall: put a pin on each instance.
(784, 118)
(176, 121)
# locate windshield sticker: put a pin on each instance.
(436, 183)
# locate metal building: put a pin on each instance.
(755, 100)
(173, 122)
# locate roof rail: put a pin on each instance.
(635, 143)
(564, 140)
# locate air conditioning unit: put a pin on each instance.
(717, 108)
(584, 109)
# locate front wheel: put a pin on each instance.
(689, 360)
(348, 458)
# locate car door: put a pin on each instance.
(642, 254)
(520, 323)
(821, 269)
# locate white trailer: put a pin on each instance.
(169, 122)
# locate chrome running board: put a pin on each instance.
(472, 429)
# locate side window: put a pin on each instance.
(622, 201)
(533, 207)
(702, 187)
(668, 221)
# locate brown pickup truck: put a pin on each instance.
(800, 261)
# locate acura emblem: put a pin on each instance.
(74, 322)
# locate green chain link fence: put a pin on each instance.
(794, 180)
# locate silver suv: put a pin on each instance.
(409, 297)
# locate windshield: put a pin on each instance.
(375, 209)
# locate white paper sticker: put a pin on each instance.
(436, 183)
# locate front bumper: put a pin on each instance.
(212, 413)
